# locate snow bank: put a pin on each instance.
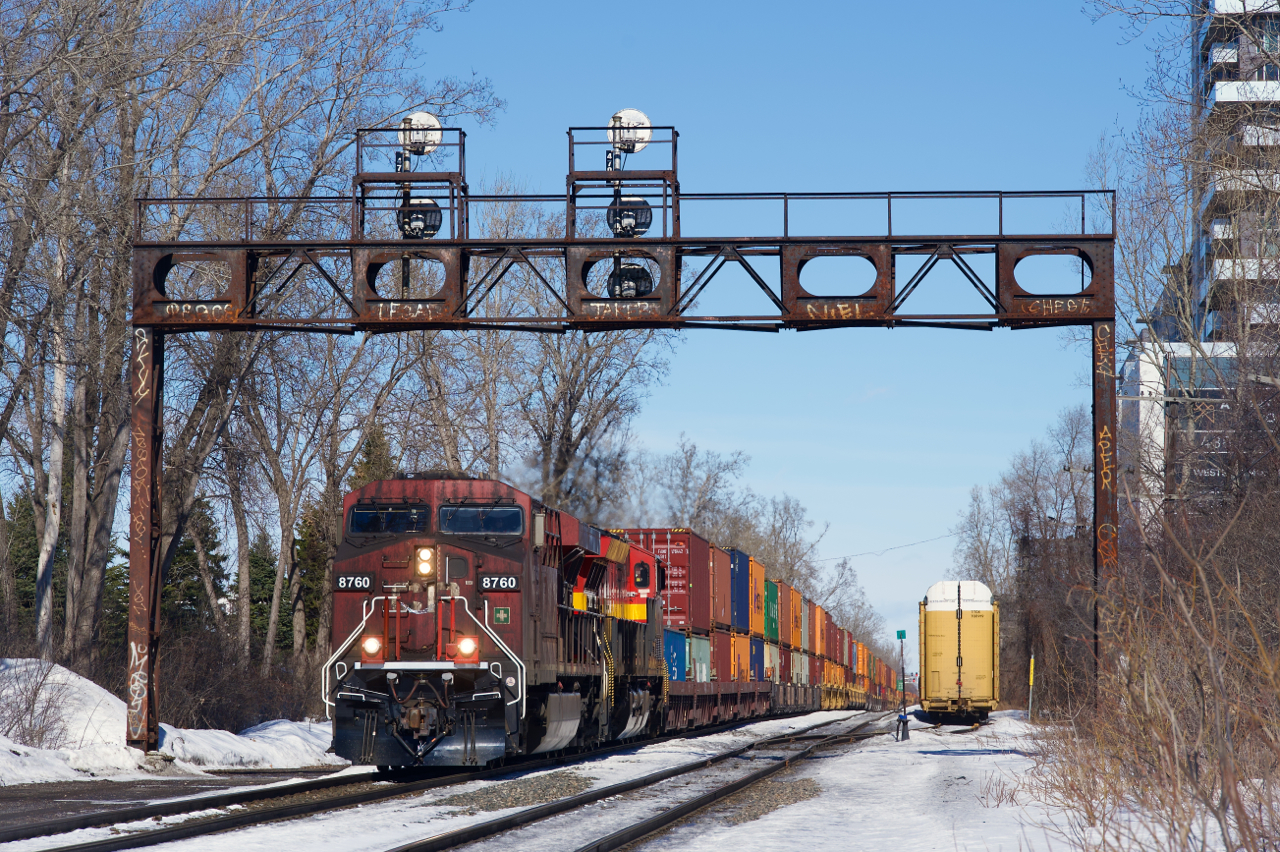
(279, 744)
(83, 734)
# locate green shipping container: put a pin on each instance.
(771, 611)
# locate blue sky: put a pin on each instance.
(881, 433)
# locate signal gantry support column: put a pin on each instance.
(146, 380)
(1106, 499)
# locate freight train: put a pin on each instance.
(959, 650)
(472, 623)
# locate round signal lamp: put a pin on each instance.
(371, 645)
(467, 646)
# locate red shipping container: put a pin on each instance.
(784, 666)
(814, 645)
(815, 670)
(721, 656)
(686, 602)
(833, 650)
(721, 594)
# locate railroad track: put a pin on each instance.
(405, 786)
(470, 834)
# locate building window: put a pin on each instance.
(1270, 71)
(1271, 36)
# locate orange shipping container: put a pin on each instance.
(820, 631)
(741, 657)
(797, 620)
(756, 571)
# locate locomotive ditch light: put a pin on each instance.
(424, 564)
(371, 649)
(465, 650)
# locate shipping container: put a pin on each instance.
(757, 659)
(721, 656)
(676, 652)
(806, 635)
(700, 658)
(771, 611)
(797, 620)
(818, 618)
(741, 657)
(800, 668)
(830, 651)
(721, 584)
(740, 591)
(757, 597)
(686, 602)
(784, 614)
(815, 670)
(784, 665)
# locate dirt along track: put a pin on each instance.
(21, 804)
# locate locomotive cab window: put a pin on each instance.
(642, 575)
(388, 520)
(482, 520)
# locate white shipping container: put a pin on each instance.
(700, 659)
(772, 663)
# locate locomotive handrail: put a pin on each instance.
(324, 673)
(484, 625)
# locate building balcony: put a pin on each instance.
(1253, 136)
(1227, 93)
(1214, 22)
(1224, 54)
(1245, 269)
(1232, 186)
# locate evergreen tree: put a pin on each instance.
(262, 581)
(184, 602)
(377, 460)
(311, 556)
(24, 557)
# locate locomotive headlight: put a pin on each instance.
(425, 565)
(467, 646)
(371, 645)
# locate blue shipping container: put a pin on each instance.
(757, 659)
(675, 651)
(740, 590)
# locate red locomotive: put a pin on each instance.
(471, 622)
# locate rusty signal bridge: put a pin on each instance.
(616, 257)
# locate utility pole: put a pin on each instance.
(902, 685)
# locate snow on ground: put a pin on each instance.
(939, 791)
(88, 740)
(383, 825)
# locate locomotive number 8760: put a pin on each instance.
(499, 582)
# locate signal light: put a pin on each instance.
(371, 648)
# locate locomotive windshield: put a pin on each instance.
(481, 520)
(387, 520)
